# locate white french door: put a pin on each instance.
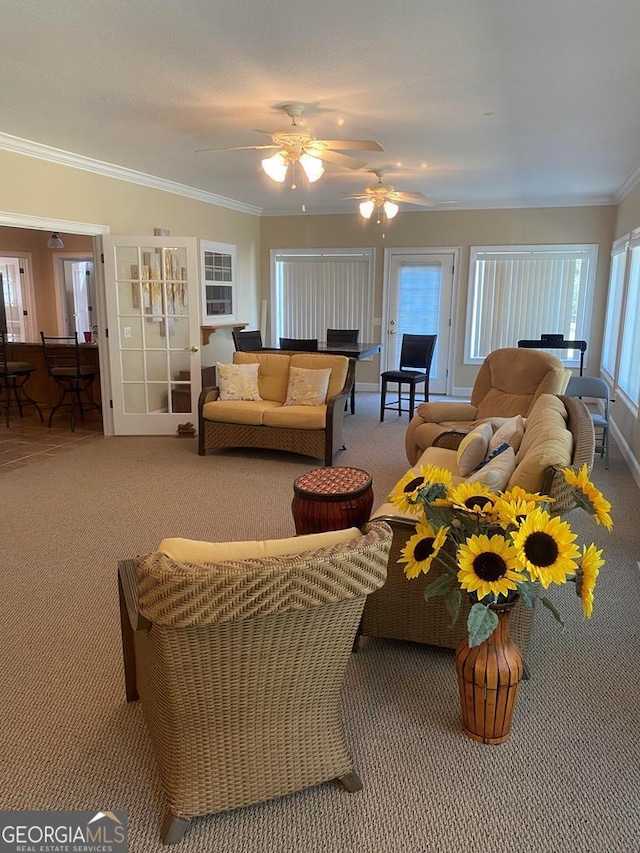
(153, 317)
(418, 300)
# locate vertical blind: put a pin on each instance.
(614, 307)
(523, 295)
(316, 293)
(628, 372)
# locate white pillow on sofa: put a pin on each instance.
(238, 381)
(473, 448)
(307, 387)
(497, 472)
(511, 431)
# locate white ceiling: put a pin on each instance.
(498, 103)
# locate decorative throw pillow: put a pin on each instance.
(473, 448)
(307, 387)
(496, 473)
(493, 455)
(238, 381)
(511, 431)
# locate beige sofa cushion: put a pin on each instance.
(547, 441)
(473, 448)
(296, 417)
(273, 375)
(339, 365)
(238, 411)
(497, 472)
(194, 551)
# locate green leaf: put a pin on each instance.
(527, 593)
(440, 586)
(550, 606)
(452, 603)
(481, 624)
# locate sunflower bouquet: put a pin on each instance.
(497, 546)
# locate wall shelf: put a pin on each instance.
(207, 331)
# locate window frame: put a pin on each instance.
(230, 249)
(369, 254)
(586, 295)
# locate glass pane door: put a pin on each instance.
(419, 299)
(153, 319)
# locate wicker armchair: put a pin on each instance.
(239, 666)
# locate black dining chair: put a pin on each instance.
(247, 341)
(13, 375)
(62, 357)
(345, 336)
(299, 344)
(416, 354)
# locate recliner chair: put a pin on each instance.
(508, 383)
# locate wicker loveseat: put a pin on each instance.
(308, 430)
(238, 652)
(398, 610)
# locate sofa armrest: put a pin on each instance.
(449, 439)
(436, 413)
(335, 415)
(207, 395)
(131, 620)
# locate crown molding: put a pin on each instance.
(110, 170)
(44, 223)
(628, 184)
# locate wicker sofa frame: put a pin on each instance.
(318, 443)
(240, 665)
(398, 610)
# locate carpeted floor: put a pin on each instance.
(567, 780)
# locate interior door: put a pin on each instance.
(153, 317)
(419, 299)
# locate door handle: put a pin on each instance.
(392, 331)
(191, 349)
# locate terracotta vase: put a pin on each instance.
(488, 677)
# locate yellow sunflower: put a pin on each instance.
(405, 492)
(475, 498)
(517, 493)
(546, 547)
(511, 512)
(588, 496)
(586, 576)
(488, 565)
(422, 548)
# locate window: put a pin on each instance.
(614, 307)
(518, 292)
(218, 270)
(317, 290)
(621, 348)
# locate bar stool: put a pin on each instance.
(13, 375)
(62, 357)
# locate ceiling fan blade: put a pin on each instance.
(351, 144)
(410, 198)
(239, 148)
(340, 159)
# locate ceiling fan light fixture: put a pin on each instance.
(54, 242)
(275, 167)
(367, 208)
(312, 166)
(390, 209)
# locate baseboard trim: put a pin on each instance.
(371, 387)
(462, 392)
(627, 453)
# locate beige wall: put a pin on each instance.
(628, 218)
(463, 228)
(37, 188)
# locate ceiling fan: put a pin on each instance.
(294, 143)
(384, 198)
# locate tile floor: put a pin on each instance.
(27, 441)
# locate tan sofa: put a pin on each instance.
(558, 434)
(268, 423)
(508, 383)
